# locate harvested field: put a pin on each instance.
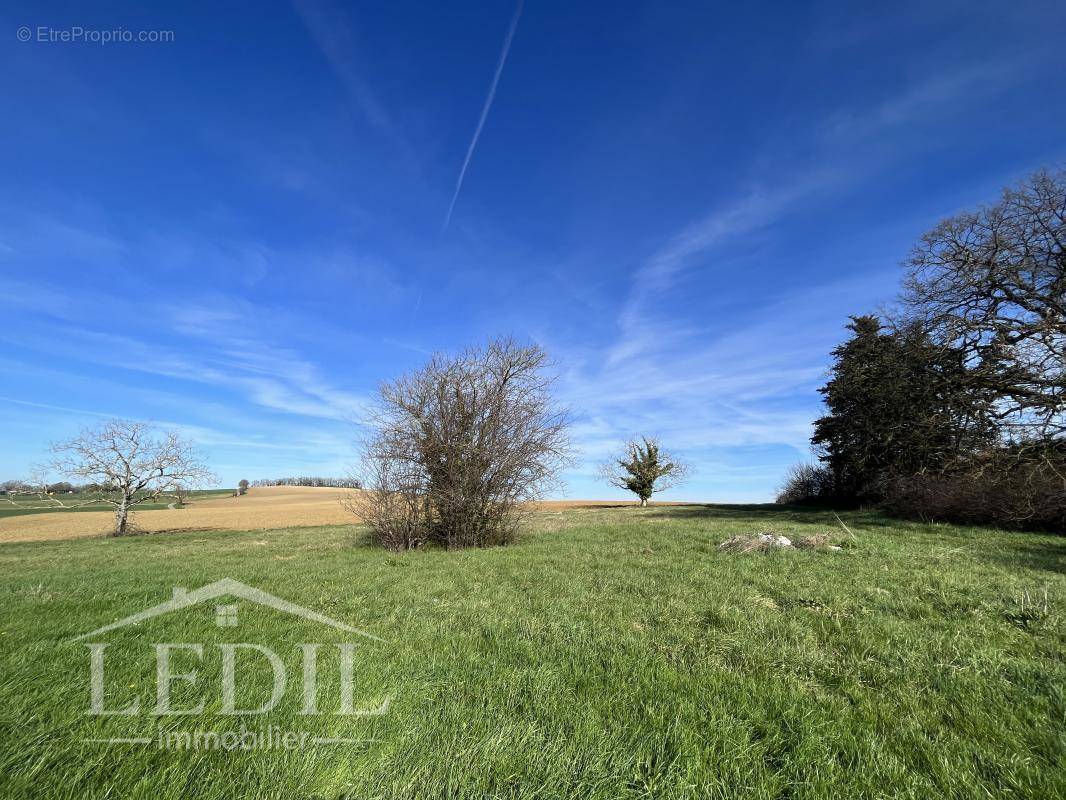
(261, 509)
(264, 508)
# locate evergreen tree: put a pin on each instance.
(898, 404)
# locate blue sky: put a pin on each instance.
(240, 232)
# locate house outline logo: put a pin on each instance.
(226, 587)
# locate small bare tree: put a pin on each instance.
(134, 462)
(644, 468)
(806, 483)
(456, 449)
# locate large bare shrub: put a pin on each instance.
(132, 462)
(457, 448)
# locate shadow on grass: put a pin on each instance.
(361, 537)
(772, 512)
(1041, 554)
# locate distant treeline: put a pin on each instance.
(336, 483)
(64, 487)
(14, 487)
(25, 487)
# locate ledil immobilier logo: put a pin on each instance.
(258, 661)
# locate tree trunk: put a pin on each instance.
(643, 502)
(122, 511)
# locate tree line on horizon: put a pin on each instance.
(952, 406)
(333, 483)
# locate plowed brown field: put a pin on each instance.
(260, 509)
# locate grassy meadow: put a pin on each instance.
(610, 653)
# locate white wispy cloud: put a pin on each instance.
(754, 385)
(756, 208)
(927, 101)
(484, 110)
(218, 349)
(52, 407)
(308, 432)
(840, 151)
(750, 388)
(219, 339)
(332, 31)
(237, 450)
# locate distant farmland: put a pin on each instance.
(262, 508)
(268, 507)
(81, 502)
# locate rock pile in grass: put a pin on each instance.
(816, 541)
(754, 543)
(765, 542)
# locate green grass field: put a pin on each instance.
(72, 503)
(609, 654)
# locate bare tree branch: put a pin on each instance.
(993, 283)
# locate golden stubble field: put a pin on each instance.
(261, 509)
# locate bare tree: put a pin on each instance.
(644, 468)
(134, 462)
(457, 448)
(993, 283)
(806, 483)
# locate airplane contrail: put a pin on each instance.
(485, 110)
